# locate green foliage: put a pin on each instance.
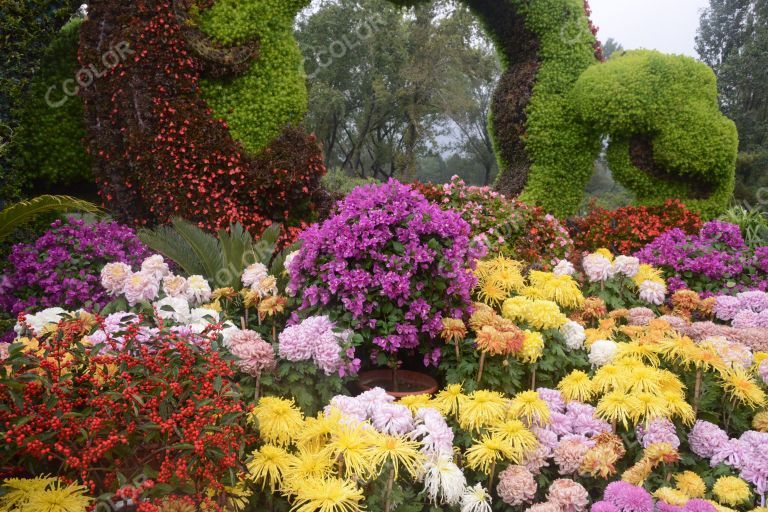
(220, 259)
(16, 215)
(670, 104)
(753, 223)
(339, 183)
(561, 149)
(304, 382)
(259, 103)
(49, 118)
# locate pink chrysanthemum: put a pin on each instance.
(516, 486)
(570, 496)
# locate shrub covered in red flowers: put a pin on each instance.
(62, 267)
(163, 411)
(509, 227)
(631, 228)
(159, 150)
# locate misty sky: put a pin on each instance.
(665, 25)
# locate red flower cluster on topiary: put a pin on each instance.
(162, 407)
(160, 152)
(629, 229)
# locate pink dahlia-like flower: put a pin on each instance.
(316, 339)
(175, 286)
(678, 323)
(748, 319)
(114, 276)
(392, 419)
(516, 486)
(537, 459)
(604, 506)
(726, 307)
(254, 355)
(553, 398)
(697, 505)
(653, 292)
(544, 507)
(754, 300)
(156, 267)
(658, 431)
(3, 351)
(570, 496)
(706, 439)
(140, 287)
(628, 498)
(641, 316)
(569, 454)
(435, 434)
(598, 267)
(627, 265)
(666, 507)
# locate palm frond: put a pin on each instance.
(22, 212)
(204, 245)
(166, 241)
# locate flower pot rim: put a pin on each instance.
(428, 384)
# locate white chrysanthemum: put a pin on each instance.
(602, 352)
(564, 268)
(265, 287)
(200, 318)
(476, 499)
(141, 287)
(114, 276)
(228, 329)
(175, 286)
(597, 267)
(198, 290)
(574, 335)
(37, 322)
(444, 482)
(173, 308)
(627, 265)
(156, 267)
(254, 274)
(653, 292)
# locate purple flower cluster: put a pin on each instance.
(748, 453)
(62, 267)
(316, 339)
(716, 261)
(390, 264)
(658, 431)
(746, 310)
(625, 497)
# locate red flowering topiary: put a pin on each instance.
(159, 408)
(159, 150)
(629, 229)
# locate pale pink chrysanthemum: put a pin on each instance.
(140, 287)
(114, 276)
(569, 454)
(516, 486)
(570, 496)
(254, 355)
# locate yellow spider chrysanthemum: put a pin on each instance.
(305, 465)
(648, 273)
(690, 484)
(704, 358)
(533, 347)
(481, 409)
(679, 407)
(513, 431)
(279, 420)
(618, 407)
(651, 406)
(577, 386)
(416, 402)
(731, 490)
(671, 496)
(743, 387)
(643, 352)
(315, 432)
(491, 449)
(605, 253)
(398, 451)
(18, 490)
(515, 308)
(58, 498)
(508, 279)
(644, 379)
(268, 464)
(350, 444)
(450, 400)
(609, 378)
(674, 348)
(491, 292)
(719, 507)
(562, 289)
(328, 495)
(529, 406)
(670, 383)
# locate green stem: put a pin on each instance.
(388, 494)
(480, 369)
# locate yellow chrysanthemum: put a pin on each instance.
(350, 444)
(704, 358)
(491, 449)
(690, 484)
(644, 352)
(760, 421)
(651, 406)
(605, 253)
(543, 315)
(608, 378)
(618, 407)
(561, 289)
(328, 495)
(577, 386)
(398, 451)
(719, 507)
(508, 278)
(18, 490)
(648, 273)
(279, 420)
(743, 387)
(268, 464)
(58, 498)
(671, 496)
(315, 432)
(533, 347)
(481, 409)
(678, 407)
(491, 292)
(515, 308)
(644, 379)
(670, 383)
(416, 402)
(731, 490)
(307, 464)
(521, 439)
(450, 400)
(529, 406)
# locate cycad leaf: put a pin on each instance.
(166, 241)
(237, 251)
(24, 211)
(205, 246)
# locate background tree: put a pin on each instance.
(611, 46)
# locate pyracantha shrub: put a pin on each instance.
(507, 227)
(62, 267)
(160, 149)
(668, 136)
(714, 261)
(388, 264)
(629, 229)
(161, 406)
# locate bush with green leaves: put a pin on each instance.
(668, 136)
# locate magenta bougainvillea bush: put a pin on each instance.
(389, 264)
(715, 261)
(62, 267)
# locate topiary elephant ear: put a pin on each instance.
(668, 138)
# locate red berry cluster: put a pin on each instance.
(159, 152)
(163, 407)
(629, 229)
